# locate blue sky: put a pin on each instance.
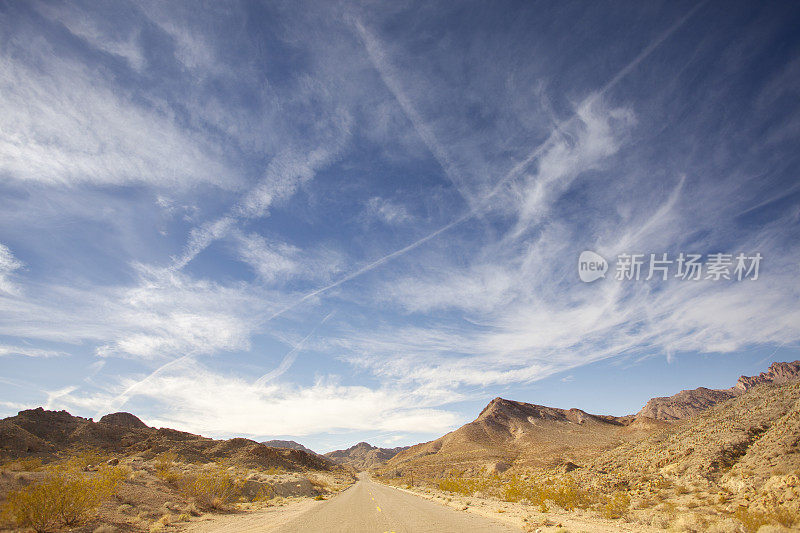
(343, 221)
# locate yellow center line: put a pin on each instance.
(378, 508)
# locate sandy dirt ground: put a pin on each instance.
(254, 518)
(523, 517)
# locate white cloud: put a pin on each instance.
(379, 60)
(62, 124)
(387, 211)
(276, 262)
(193, 398)
(169, 313)
(163, 314)
(8, 265)
(285, 173)
(112, 41)
(28, 351)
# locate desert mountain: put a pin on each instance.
(510, 433)
(363, 455)
(44, 433)
(287, 444)
(507, 431)
(690, 402)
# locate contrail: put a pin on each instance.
(123, 397)
(511, 174)
(289, 358)
(382, 65)
(374, 264)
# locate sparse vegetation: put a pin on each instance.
(30, 464)
(165, 468)
(213, 489)
(66, 497)
(617, 505)
(465, 486)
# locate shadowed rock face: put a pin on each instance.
(125, 420)
(690, 402)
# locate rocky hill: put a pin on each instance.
(746, 447)
(690, 402)
(776, 373)
(509, 433)
(288, 444)
(363, 455)
(41, 433)
(684, 404)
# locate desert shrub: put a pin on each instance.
(465, 486)
(264, 493)
(65, 496)
(617, 505)
(690, 523)
(82, 460)
(164, 468)
(213, 489)
(27, 465)
(33, 507)
(566, 494)
(751, 520)
(783, 516)
(518, 489)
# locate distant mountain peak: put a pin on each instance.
(363, 455)
(687, 403)
(287, 444)
(778, 372)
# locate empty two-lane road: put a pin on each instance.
(370, 507)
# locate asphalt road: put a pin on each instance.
(370, 507)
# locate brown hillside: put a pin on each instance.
(684, 404)
(690, 402)
(515, 434)
(41, 433)
(508, 432)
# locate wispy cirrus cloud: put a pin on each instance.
(387, 211)
(27, 351)
(8, 265)
(63, 125)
